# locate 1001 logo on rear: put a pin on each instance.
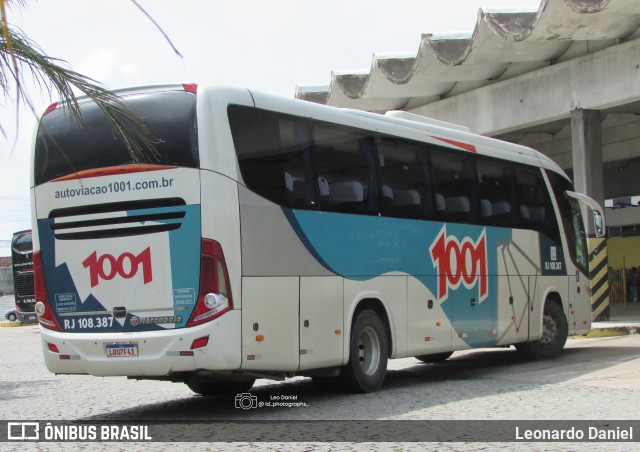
(126, 266)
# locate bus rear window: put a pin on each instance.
(63, 146)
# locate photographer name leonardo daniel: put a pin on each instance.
(576, 434)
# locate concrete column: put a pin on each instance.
(588, 178)
(586, 137)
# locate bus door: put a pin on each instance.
(516, 290)
(581, 287)
(579, 302)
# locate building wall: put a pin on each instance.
(627, 248)
(623, 217)
(6, 281)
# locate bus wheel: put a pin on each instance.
(555, 330)
(434, 358)
(12, 317)
(368, 353)
(220, 387)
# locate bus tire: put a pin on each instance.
(555, 330)
(368, 354)
(434, 358)
(12, 317)
(220, 387)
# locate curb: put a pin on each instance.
(15, 324)
(11, 324)
(613, 331)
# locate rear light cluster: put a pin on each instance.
(50, 108)
(201, 342)
(53, 348)
(43, 310)
(214, 298)
(190, 88)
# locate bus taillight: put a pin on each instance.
(190, 87)
(50, 108)
(214, 298)
(43, 310)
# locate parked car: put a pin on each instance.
(26, 317)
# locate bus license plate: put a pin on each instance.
(122, 350)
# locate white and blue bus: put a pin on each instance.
(272, 237)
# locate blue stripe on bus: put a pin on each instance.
(362, 247)
(184, 249)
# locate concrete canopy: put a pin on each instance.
(503, 45)
(519, 76)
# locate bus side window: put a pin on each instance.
(404, 178)
(533, 199)
(496, 192)
(454, 186)
(345, 164)
(536, 210)
(552, 225)
(274, 154)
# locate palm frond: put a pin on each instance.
(153, 21)
(18, 54)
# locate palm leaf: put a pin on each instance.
(18, 53)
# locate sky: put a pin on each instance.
(270, 46)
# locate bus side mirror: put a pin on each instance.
(598, 224)
(598, 218)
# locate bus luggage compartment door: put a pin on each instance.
(270, 323)
(321, 322)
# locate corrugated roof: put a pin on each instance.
(504, 44)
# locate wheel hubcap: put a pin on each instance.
(369, 351)
(549, 329)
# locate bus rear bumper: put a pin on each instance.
(148, 354)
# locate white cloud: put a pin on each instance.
(130, 71)
(98, 65)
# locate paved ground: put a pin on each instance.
(594, 378)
